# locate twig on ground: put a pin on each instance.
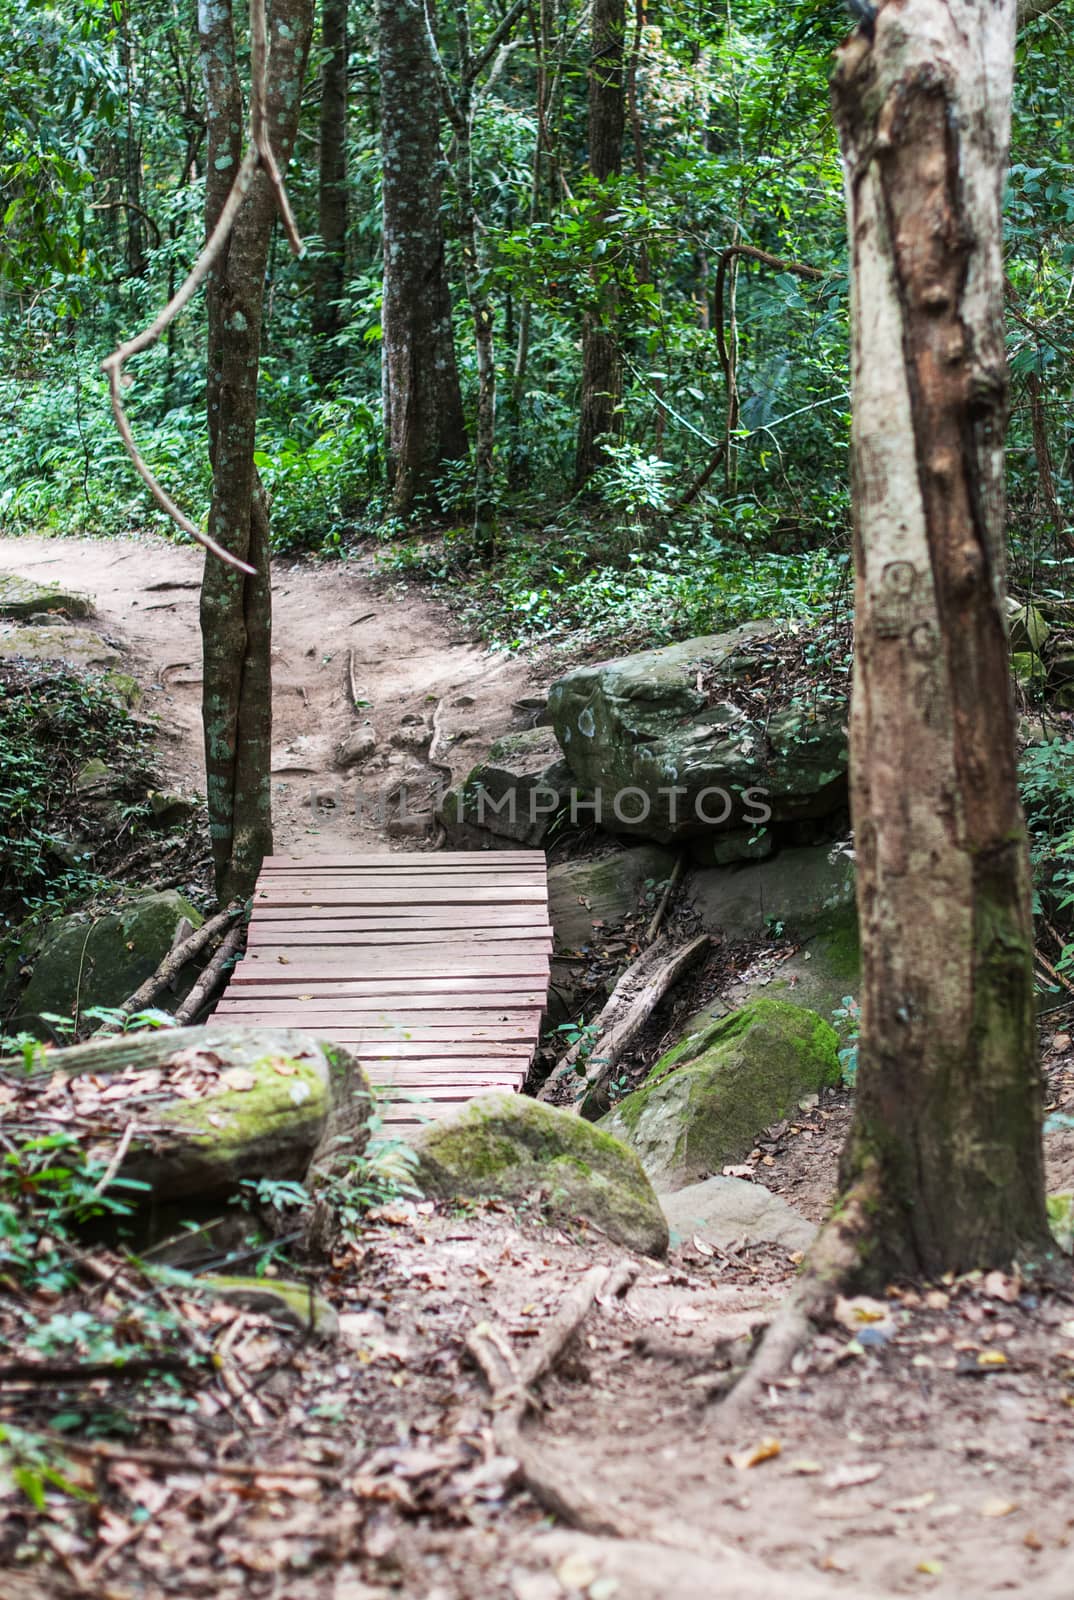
(665, 899)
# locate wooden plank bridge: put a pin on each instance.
(431, 968)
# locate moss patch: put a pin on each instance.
(512, 1148)
(707, 1098)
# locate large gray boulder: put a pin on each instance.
(513, 796)
(508, 1147)
(603, 891)
(22, 598)
(705, 1100)
(85, 960)
(634, 729)
(726, 1211)
(799, 892)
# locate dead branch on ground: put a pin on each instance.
(632, 1002)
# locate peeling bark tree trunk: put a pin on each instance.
(236, 610)
(330, 275)
(424, 423)
(602, 372)
(945, 1149)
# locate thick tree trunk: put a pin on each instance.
(602, 374)
(946, 1140)
(330, 274)
(236, 610)
(424, 423)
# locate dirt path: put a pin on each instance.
(406, 659)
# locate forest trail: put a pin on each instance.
(329, 621)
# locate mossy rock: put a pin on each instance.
(22, 598)
(798, 891)
(1061, 1220)
(83, 961)
(513, 796)
(276, 1101)
(55, 641)
(670, 760)
(605, 890)
(508, 1147)
(277, 1298)
(706, 1099)
(825, 968)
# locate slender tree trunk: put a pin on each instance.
(329, 275)
(602, 373)
(236, 609)
(424, 423)
(945, 1149)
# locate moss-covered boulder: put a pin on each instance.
(86, 960)
(58, 641)
(220, 1104)
(278, 1298)
(604, 891)
(513, 795)
(665, 739)
(22, 598)
(705, 1100)
(508, 1147)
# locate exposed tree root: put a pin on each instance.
(830, 1265)
(511, 1382)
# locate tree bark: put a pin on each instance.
(329, 277)
(236, 610)
(946, 1138)
(602, 372)
(424, 423)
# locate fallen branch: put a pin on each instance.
(164, 1462)
(631, 1004)
(210, 979)
(173, 964)
(510, 1383)
(665, 899)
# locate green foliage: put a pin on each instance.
(1047, 784)
(52, 720)
(47, 1189)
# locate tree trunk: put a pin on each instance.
(946, 1140)
(329, 275)
(424, 423)
(602, 373)
(236, 610)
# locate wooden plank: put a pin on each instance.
(395, 893)
(376, 858)
(262, 964)
(306, 933)
(372, 1013)
(406, 916)
(473, 874)
(446, 1025)
(454, 1050)
(421, 990)
(454, 1092)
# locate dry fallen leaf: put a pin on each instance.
(765, 1450)
(238, 1078)
(997, 1508)
(852, 1474)
(997, 1286)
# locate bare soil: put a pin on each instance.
(928, 1450)
(330, 621)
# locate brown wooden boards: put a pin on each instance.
(432, 969)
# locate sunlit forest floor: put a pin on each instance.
(925, 1445)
